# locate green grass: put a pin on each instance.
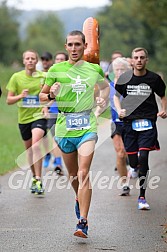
(10, 141)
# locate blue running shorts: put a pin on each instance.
(71, 144)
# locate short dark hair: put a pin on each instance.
(61, 52)
(76, 32)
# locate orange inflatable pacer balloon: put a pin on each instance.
(91, 32)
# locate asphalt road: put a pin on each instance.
(31, 223)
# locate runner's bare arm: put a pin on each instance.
(12, 98)
(163, 112)
(102, 98)
(121, 112)
(52, 91)
(43, 95)
(104, 90)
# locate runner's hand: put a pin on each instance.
(55, 88)
(100, 102)
(45, 112)
(122, 113)
(162, 114)
(24, 93)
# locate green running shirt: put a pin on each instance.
(76, 93)
(16, 84)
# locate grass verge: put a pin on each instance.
(10, 141)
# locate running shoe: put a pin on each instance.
(58, 170)
(33, 185)
(142, 204)
(39, 188)
(77, 210)
(57, 161)
(125, 191)
(133, 173)
(82, 229)
(46, 160)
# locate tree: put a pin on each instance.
(119, 28)
(45, 34)
(153, 15)
(9, 34)
(126, 24)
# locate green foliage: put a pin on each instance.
(45, 34)
(153, 12)
(126, 24)
(153, 15)
(119, 28)
(9, 42)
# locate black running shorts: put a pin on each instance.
(25, 129)
(116, 129)
(135, 141)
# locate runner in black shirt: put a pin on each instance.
(138, 109)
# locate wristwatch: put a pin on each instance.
(50, 98)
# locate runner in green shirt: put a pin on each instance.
(23, 89)
(72, 83)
